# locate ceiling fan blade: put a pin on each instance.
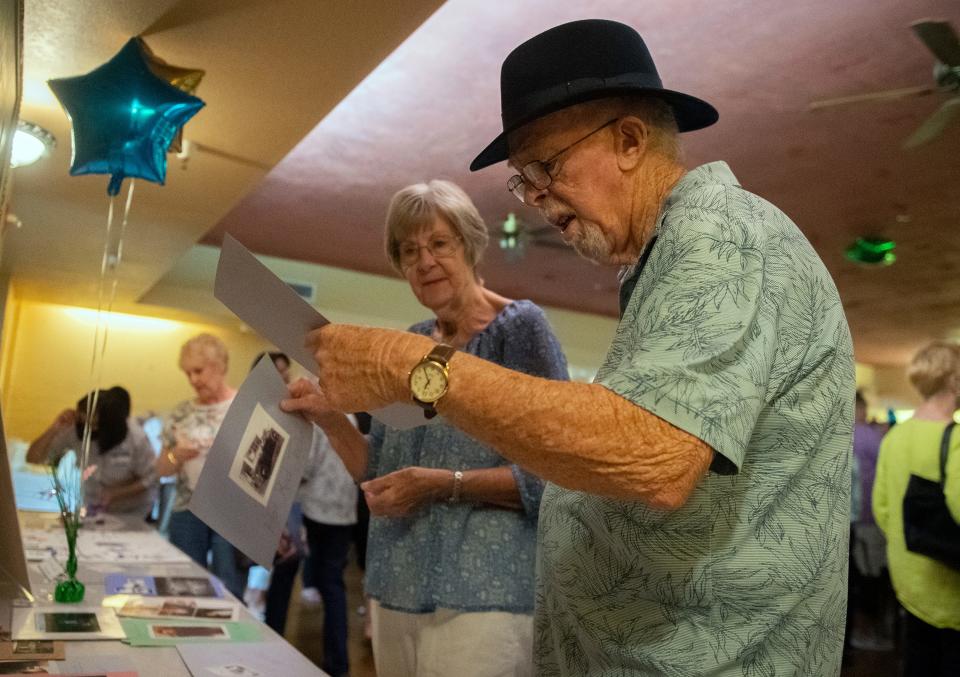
(934, 125)
(888, 94)
(941, 39)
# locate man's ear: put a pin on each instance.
(632, 137)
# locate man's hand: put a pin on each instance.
(403, 491)
(362, 368)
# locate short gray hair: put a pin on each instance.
(416, 206)
(210, 346)
(933, 366)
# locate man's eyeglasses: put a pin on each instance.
(439, 246)
(538, 173)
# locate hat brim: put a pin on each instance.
(690, 112)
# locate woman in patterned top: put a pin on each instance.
(450, 559)
(188, 433)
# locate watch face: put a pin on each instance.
(428, 381)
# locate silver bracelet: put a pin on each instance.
(457, 487)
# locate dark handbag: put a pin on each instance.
(928, 527)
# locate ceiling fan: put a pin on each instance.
(941, 39)
(515, 236)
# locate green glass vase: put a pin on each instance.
(70, 589)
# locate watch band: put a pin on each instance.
(441, 354)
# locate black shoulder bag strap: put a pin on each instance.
(944, 452)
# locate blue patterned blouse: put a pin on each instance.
(465, 556)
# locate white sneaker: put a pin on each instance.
(310, 596)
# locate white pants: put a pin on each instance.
(447, 643)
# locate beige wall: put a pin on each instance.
(47, 354)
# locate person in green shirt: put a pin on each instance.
(928, 589)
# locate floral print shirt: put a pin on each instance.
(731, 330)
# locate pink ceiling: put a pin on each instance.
(840, 173)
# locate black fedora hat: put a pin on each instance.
(576, 62)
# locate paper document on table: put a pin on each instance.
(125, 547)
(248, 660)
(270, 307)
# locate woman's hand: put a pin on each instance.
(308, 400)
(184, 451)
(403, 491)
(361, 368)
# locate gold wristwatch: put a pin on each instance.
(430, 378)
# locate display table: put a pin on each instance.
(102, 656)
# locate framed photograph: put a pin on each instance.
(261, 450)
(160, 631)
(53, 623)
(57, 622)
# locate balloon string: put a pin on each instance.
(109, 275)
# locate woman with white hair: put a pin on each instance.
(450, 560)
(928, 589)
(188, 434)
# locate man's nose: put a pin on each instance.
(533, 196)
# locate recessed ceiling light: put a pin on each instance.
(30, 143)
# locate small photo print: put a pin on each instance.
(67, 622)
(158, 631)
(130, 585)
(139, 610)
(177, 608)
(32, 646)
(221, 614)
(179, 586)
(259, 455)
(29, 668)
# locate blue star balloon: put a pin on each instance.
(124, 118)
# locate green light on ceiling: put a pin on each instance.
(510, 236)
(872, 251)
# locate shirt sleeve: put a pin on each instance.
(693, 346)
(531, 347)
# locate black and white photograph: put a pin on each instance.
(258, 456)
(67, 622)
(184, 586)
(33, 646)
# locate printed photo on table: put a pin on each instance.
(178, 586)
(67, 622)
(176, 608)
(258, 456)
(187, 631)
(33, 646)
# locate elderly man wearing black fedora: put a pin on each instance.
(696, 519)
